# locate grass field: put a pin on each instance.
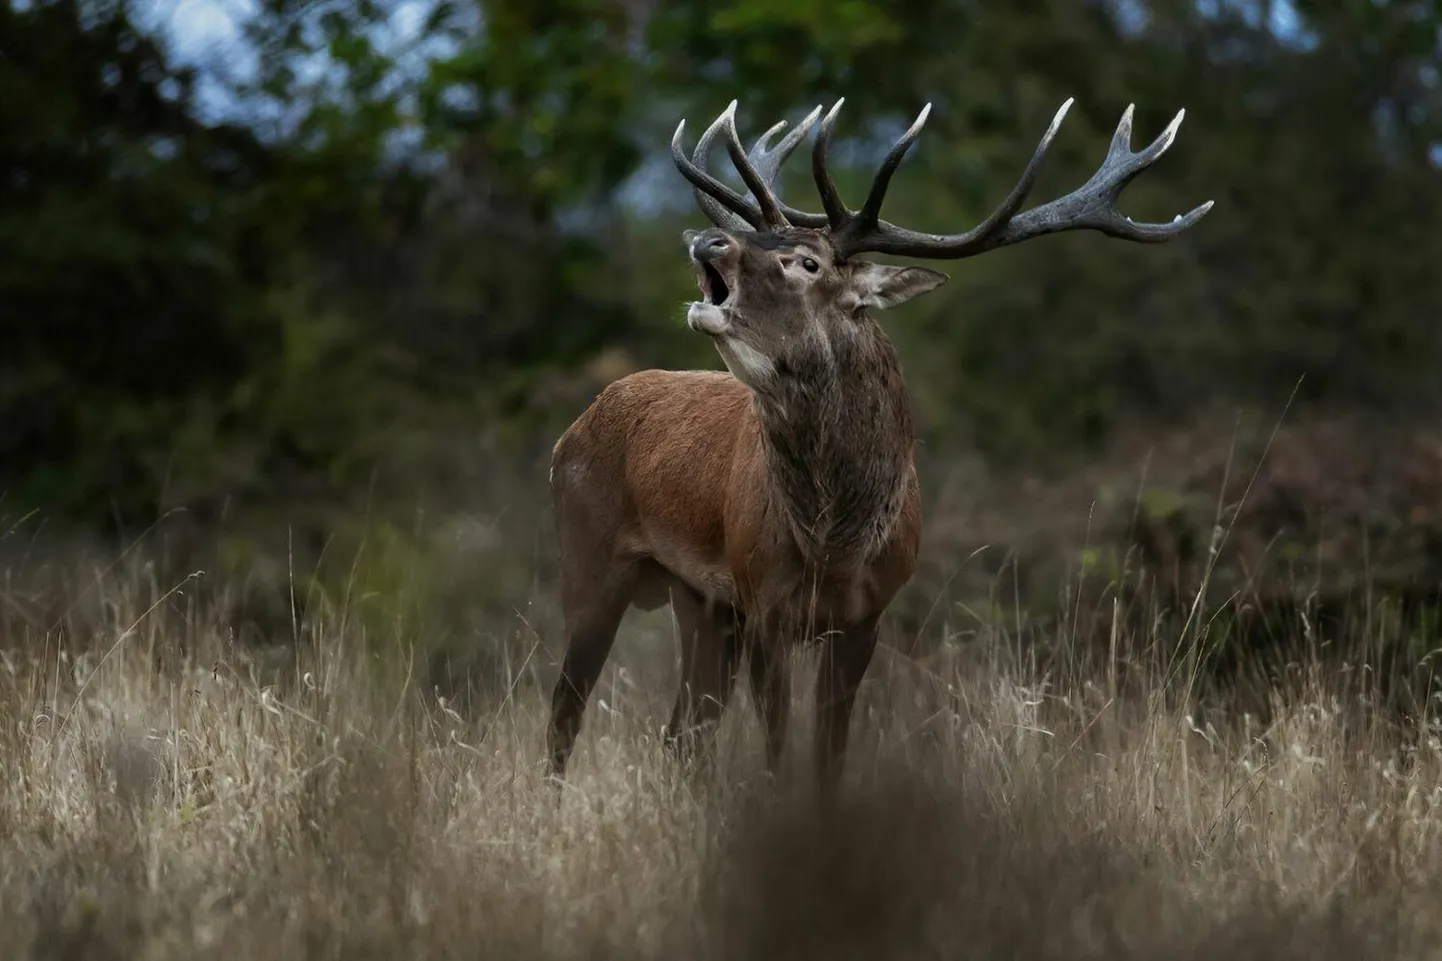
(166, 795)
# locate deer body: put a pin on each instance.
(778, 503)
(769, 507)
(682, 459)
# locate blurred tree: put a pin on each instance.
(412, 237)
(135, 251)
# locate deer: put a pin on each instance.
(776, 504)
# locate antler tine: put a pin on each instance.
(1003, 215)
(706, 184)
(718, 214)
(766, 160)
(871, 210)
(1128, 164)
(836, 213)
(759, 185)
(1093, 206)
(848, 227)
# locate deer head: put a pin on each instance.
(775, 299)
(779, 284)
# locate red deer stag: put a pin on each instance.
(779, 502)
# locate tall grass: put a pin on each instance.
(166, 793)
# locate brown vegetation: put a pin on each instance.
(167, 794)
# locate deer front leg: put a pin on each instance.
(709, 663)
(844, 661)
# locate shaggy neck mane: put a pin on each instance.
(838, 429)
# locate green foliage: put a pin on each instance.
(298, 316)
(550, 87)
(133, 240)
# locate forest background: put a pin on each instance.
(303, 292)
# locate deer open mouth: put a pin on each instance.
(713, 285)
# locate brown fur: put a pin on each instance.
(768, 515)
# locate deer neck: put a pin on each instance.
(838, 431)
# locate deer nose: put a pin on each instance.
(709, 246)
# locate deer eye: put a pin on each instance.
(810, 264)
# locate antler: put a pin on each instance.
(759, 170)
(1091, 206)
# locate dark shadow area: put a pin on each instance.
(900, 868)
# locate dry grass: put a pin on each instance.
(166, 796)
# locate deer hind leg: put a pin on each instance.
(771, 689)
(593, 610)
(844, 660)
(710, 659)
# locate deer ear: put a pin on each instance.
(882, 286)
